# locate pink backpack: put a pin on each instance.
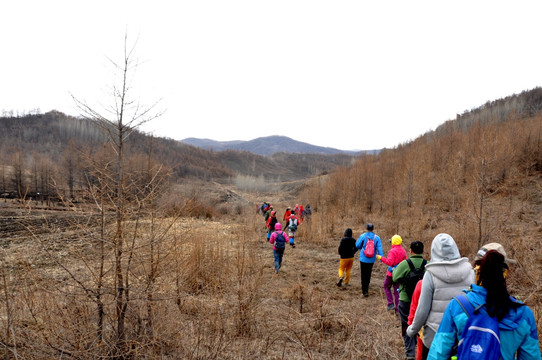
(369, 250)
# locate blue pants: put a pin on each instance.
(278, 259)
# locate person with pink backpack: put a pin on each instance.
(370, 245)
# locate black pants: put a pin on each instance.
(410, 342)
(366, 270)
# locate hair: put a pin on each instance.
(348, 232)
(491, 277)
(416, 247)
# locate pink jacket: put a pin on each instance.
(395, 256)
(274, 236)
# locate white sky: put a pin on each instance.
(345, 74)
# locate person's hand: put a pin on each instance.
(410, 332)
(378, 257)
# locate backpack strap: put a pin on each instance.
(411, 265)
(465, 304)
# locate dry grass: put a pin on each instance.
(216, 297)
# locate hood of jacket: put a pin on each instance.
(444, 248)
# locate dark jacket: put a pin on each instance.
(347, 247)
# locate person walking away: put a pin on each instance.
(447, 274)
(516, 322)
(308, 212)
(403, 274)
(287, 214)
(267, 213)
(278, 239)
(292, 225)
(347, 250)
(270, 224)
(370, 245)
(413, 306)
(301, 213)
(395, 256)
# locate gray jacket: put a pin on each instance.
(445, 276)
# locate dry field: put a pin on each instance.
(213, 294)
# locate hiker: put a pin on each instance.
(370, 245)
(270, 224)
(347, 250)
(308, 212)
(404, 274)
(292, 225)
(395, 256)
(446, 275)
(301, 213)
(264, 207)
(413, 306)
(267, 213)
(287, 214)
(279, 239)
(516, 323)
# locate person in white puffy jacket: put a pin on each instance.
(446, 275)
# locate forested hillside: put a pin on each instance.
(39, 150)
(478, 178)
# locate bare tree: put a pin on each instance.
(119, 121)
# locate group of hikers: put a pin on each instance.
(292, 218)
(448, 307)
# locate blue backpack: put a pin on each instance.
(480, 338)
(280, 241)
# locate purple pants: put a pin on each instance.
(388, 286)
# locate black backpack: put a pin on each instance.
(415, 275)
(280, 241)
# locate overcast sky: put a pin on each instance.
(344, 74)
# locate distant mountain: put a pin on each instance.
(267, 146)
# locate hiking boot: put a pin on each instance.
(340, 282)
(390, 307)
(365, 294)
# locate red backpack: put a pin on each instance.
(369, 250)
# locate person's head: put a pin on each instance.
(370, 227)
(491, 271)
(273, 213)
(278, 226)
(396, 240)
(416, 247)
(444, 248)
(348, 232)
(493, 246)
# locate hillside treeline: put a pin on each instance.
(478, 178)
(50, 154)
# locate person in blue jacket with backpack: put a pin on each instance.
(516, 324)
(370, 245)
